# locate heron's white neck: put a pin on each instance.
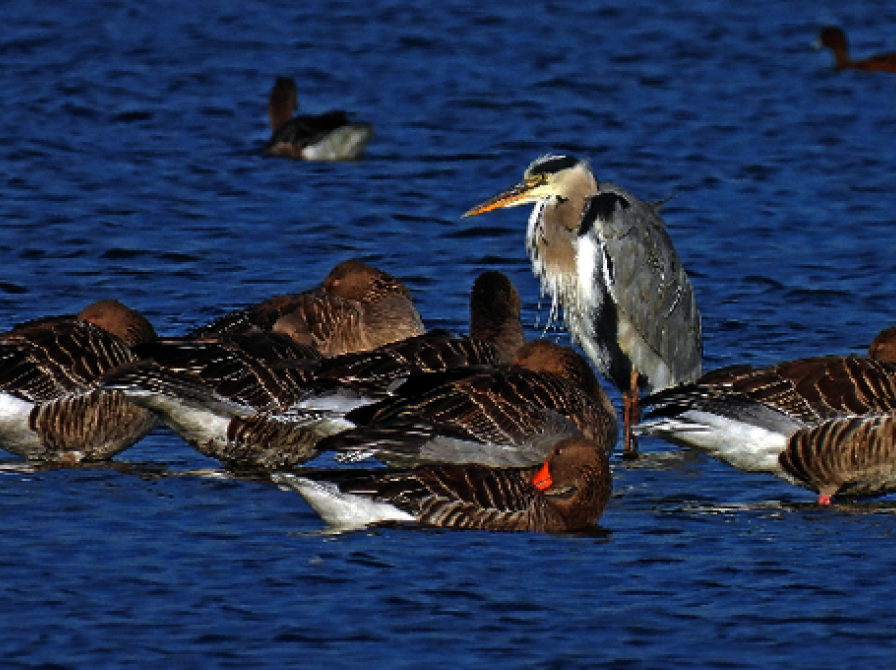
(551, 243)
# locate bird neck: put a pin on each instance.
(551, 243)
(278, 114)
(552, 240)
(502, 330)
(841, 56)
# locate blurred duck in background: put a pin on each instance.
(312, 137)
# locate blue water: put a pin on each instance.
(130, 168)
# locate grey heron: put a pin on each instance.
(605, 258)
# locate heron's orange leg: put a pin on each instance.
(631, 414)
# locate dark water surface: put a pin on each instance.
(130, 167)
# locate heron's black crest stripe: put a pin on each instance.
(611, 269)
(601, 206)
(553, 164)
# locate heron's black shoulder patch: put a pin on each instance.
(552, 164)
(601, 206)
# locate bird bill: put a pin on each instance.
(515, 195)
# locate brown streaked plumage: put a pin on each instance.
(50, 406)
(367, 309)
(357, 308)
(813, 421)
(326, 137)
(496, 334)
(605, 258)
(835, 39)
(263, 370)
(228, 428)
(221, 394)
(502, 417)
(850, 456)
(813, 389)
(569, 493)
(549, 358)
(374, 372)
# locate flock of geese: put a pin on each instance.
(483, 430)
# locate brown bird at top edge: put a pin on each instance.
(835, 39)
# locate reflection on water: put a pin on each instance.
(776, 508)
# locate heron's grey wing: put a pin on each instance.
(646, 278)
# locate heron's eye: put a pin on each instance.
(538, 180)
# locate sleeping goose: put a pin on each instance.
(502, 417)
(569, 492)
(821, 423)
(357, 308)
(50, 405)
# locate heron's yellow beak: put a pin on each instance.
(522, 193)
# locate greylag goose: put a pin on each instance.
(50, 405)
(500, 417)
(221, 394)
(605, 258)
(322, 137)
(850, 456)
(819, 422)
(357, 308)
(229, 428)
(568, 493)
(496, 334)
